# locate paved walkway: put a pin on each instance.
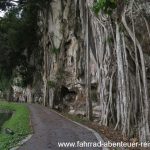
(50, 128)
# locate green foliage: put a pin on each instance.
(5, 82)
(9, 42)
(18, 35)
(9, 4)
(19, 123)
(5, 4)
(107, 6)
(52, 84)
(55, 50)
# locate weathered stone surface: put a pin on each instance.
(62, 26)
(116, 77)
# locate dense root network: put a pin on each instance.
(121, 72)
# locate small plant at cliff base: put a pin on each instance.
(122, 80)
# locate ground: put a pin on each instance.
(18, 125)
(51, 128)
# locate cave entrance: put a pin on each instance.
(63, 96)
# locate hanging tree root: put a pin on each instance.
(122, 86)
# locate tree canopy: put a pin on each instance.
(18, 37)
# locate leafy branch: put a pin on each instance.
(107, 6)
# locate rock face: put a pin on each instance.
(119, 58)
(63, 31)
(63, 26)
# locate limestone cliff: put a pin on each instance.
(63, 40)
(118, 68)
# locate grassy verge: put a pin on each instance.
(19, 123)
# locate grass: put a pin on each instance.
(19, 123)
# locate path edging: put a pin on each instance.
(19, 144)
(98, 137)
(22, 142)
